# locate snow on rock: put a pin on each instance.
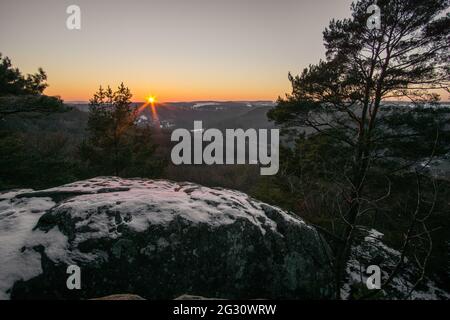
(17, 218)
(157, 239)
(372, 251)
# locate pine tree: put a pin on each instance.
(24, 94)
(341, 97)
(115, 144)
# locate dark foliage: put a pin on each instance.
(116, 145)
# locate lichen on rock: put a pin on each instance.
(160, 239)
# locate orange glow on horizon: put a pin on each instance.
(83, 92)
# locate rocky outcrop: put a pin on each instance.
(370, 250)
(120, 297)
(157, 239)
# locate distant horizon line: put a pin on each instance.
(217, 101)
(183, 101)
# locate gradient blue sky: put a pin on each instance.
(177, 50)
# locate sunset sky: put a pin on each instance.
(178, 50)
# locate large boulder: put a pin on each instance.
(157, 239)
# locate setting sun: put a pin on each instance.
(151, 99)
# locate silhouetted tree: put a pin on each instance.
(341, 97)
(12, 82)
(115, 144)
(19, 93)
